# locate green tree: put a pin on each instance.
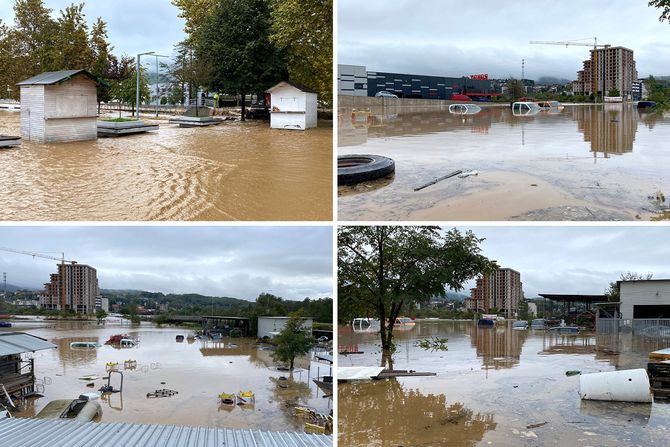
(195, 13)
(614, 92)
(515, 88)
(72, 50)
(613, 293)
(35, 37)
(188, 71)
(235, 45)
(665, 6)
(304, 29)
(292, 341)
(387, 269)
(101, 65)
(100, 315)
(125, 90)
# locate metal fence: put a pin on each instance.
(651, 328)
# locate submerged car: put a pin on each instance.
(385, 94)
(520, 325)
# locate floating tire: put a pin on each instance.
(352, 169)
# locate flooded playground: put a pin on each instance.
(494, 386)
(197, 370)
(584, 162)
(234, 171)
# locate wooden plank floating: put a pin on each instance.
(439, 179)
(388, 373)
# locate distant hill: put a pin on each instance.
(13, 288)
(456, 296)
(172, 299)
(552, 80)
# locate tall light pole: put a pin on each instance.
(138, 69)
(157, 56)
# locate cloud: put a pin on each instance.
(433, 37)
(241, 262)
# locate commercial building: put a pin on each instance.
(501, 290)
(617, 65)
(645, 299)
(356, 80)
(74, 287)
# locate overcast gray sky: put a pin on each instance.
(240, 262)
(134, 26)
(456, 38)
(571, 259)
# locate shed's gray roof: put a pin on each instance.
(54, 77)
(68, 433)
(19, 342)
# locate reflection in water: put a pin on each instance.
(611, 132)
(384, 413)
(510, 385)
(498, 347)
(236, 171)
(199, 372)
(551, 166)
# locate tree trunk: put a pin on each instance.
(291, 363)
(244, 107)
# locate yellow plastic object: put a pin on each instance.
(227, 398)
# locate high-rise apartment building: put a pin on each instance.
(74, 287)
(619, 72)
(501, 290)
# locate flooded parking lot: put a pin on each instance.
(234, 171)
(198, 370)
(494, 386)
(585, 162)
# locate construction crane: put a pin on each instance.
(35, 254)
(576, 42)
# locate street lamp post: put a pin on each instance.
(137, 96)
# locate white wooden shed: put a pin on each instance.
(59, 106)
(271, 326)
(292, 106)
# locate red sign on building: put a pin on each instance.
(480, 77)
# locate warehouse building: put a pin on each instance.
(645, 299)
(355, 80)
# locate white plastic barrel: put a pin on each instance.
(629, 385)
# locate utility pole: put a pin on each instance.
(523, 74)
(138, 68)
(4, 282)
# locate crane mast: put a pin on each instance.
(62, 261)
(576, 42)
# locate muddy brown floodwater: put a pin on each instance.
(234, 171)
(199, 371)
(586, 162)
(495, 386)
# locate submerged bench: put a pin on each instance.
(9, 141)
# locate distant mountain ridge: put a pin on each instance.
(13, 288)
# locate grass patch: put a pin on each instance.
(119, 120)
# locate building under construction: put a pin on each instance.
(619, 72)
(501, 290)
(74, 287)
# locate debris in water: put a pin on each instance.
(433, 343)
(468, 174)
(162, 393)
(536, 425)
(439, 179)
(572, 372)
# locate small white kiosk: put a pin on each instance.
(59, 106)
(292, 106)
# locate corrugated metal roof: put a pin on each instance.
(68, 433)
(54, 77)
(20, 342)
